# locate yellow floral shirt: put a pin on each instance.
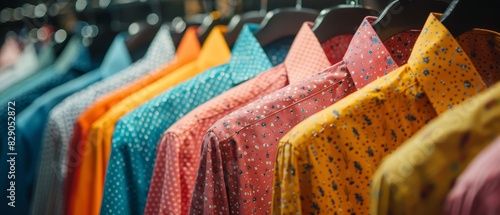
(325, 164)
(417, 177)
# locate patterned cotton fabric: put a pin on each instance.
(93, 168)
(238, 154)
(178, 151)
(417, 177)
(188, 50)
(48, 197)
(248, 59)
(325, 163)
(30, 123)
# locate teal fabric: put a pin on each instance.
(48, 194)
(136, 134)
(74, 63)
(31, 122)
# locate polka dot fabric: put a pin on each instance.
(48, 196)
(136, 134)
(235, 175)
(325, 164)
(77, 181)
(90, 187)
(178, 153)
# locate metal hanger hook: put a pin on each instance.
(298, 4)
(353, 2)
(263, 6)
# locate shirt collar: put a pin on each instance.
(189, 47)
(307, 45)
(161, 44)
(117, 54)
(437, 60)
(248, 57)
(214, 47)
(367, 58)
(74, 56)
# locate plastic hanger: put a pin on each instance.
(403, 15)
(237, 22)
(340, 19)
(464, 15)
(96, 30)
(138, 43)
(213, 19)
(178, 27)
(283, 22)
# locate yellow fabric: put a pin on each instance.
(188, 50)
(417, 177)
(214, 52)
(325, 164)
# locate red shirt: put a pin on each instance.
(178, 151)
(235, 175)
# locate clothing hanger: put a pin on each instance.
(178, 27)
(403, 15)
(138, 42)
(464, 15)
(98, 38)
(284, 22)
(237, 22)
(213, 19)
(340, 19)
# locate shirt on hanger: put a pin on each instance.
(417, 177)
(74, 63)
(51, 175)
(188, 50)
(477, 190)
(93, 167)
(238, 153)
(172, 184)
(247, 60)
(325, 163)
(10, 52)
(30, 123)
(28, 63)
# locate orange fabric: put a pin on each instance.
(90, 187)
(188, 51)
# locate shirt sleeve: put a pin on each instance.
(286, 196)
(210, 191)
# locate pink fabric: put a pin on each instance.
(235, 174)
(178, 153)
(477, 190)
(9, 53)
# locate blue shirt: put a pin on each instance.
(136, 134)
(30, 123)
(73, 62)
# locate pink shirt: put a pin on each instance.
(178, 152)
(477, 190)
(235, 175)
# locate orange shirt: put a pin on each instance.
(188, 51)
(90, 187)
